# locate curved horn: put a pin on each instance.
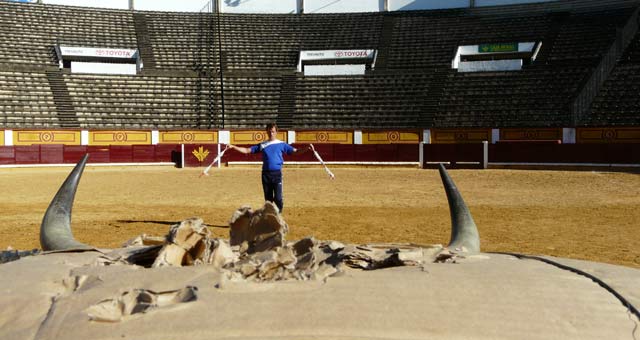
(464, 232)
(55, 230)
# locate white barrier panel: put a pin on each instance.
(333, 70)
(259, 6)
(411, 5)
(102, 68)
(8, 137)
(343, 6)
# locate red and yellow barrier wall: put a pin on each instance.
(138, 146)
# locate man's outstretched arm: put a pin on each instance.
(303, 150)
(239, 149)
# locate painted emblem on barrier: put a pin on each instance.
(200, 153)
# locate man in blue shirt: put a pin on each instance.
(272, 151)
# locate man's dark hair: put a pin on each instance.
(271, 125)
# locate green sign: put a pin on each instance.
(493, 48)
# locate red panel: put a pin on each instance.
(27, 154)
(408, 152)
(454, 153)
(235, 156)
(623, 153)
(191, 160)
(143, 153)
(365, 153)
(7, 155)
(308, 156)
(52, 154)
(326, 151)
(188, 156)
(342, 153)
(120, 154)
(73, 154)
(98, 154)
(386, 152)
(165, 152)
(565, 153)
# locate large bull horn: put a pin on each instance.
(55, 231)
(464, 232)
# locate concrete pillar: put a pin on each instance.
(8, 137)
(181, 156)
(485, 153)
(131, 5)
(426, 136)
(495, 135)
(568, 135)
(426, 139)
(155, 137)
(357, 137)
(84, 137)
(224, 137)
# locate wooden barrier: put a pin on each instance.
(553, 153)
(471, 155)
(71, 154)
(203, 155)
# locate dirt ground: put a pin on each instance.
(583, 215)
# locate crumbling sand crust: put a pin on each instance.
(581, 215)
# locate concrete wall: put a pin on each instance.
(343, 6)
(169, 5)
(410, 5)
(480, 3)
(286, 6)
(116, 4)
(259, 6)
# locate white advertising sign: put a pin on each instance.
(69, 51)
(336, 54)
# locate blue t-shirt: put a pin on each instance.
(272, 153)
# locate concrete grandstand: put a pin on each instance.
(393, 85)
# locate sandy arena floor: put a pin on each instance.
(583, 215)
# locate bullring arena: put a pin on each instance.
(589, 215)
(485, 153)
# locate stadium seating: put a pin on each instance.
(251, 100)
(115, 101)
(179, 40)
(411, 85)
(370, 101)
(29, 31)
(618, 103)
